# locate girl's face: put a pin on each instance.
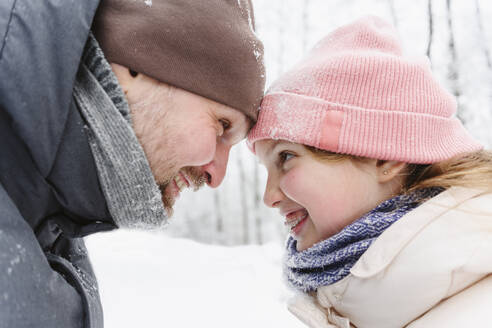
(318, 198)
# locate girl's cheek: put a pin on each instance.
(294, 186)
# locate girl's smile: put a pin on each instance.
(295, 220)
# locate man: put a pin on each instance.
(107, 111)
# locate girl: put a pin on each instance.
(387, 197)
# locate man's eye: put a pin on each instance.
(284, 156)
(225, 124)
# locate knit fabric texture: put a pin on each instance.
(132, 195)
(209, 48)
(356, 93)
(331, 260)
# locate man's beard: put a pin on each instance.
(196, 178)
(155, 134)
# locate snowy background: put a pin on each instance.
(219, 262)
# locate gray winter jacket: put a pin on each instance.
(50, 195)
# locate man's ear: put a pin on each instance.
(125, 76)
(387, 170)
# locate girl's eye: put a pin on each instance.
(284, 156)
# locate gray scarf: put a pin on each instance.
(133, 197)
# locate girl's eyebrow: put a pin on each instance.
(274, 145)
(271, 148)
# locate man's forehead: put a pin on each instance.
(236, 112)
(250, 123)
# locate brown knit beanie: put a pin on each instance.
(207, 47)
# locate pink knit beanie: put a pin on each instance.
(355, 93)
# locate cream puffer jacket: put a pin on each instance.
(431, 268)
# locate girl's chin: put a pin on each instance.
(304, 242)
(301, 234)
(300, 246)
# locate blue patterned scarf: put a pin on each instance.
(331, 260)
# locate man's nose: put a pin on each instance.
(216, 169)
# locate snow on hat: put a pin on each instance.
(355, 93)
(206, 47)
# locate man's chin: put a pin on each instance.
(169, 211)
(168, 206)
(170, 192)
(168, 199)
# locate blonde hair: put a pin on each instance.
(473, 170)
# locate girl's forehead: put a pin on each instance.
(264, 148)
(265, 145)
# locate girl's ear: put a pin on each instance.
(388, 170)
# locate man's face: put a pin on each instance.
(185, 137)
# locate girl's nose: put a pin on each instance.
(273, 195)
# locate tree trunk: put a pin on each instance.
(219, 220)
(483, 39)
(244, 203)
(453, 67)
(281, 36)
(431, 28)
(257, 204)
(305, 25)
(393, 13)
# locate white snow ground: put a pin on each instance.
(151, 280)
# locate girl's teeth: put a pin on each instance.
(293, 223)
